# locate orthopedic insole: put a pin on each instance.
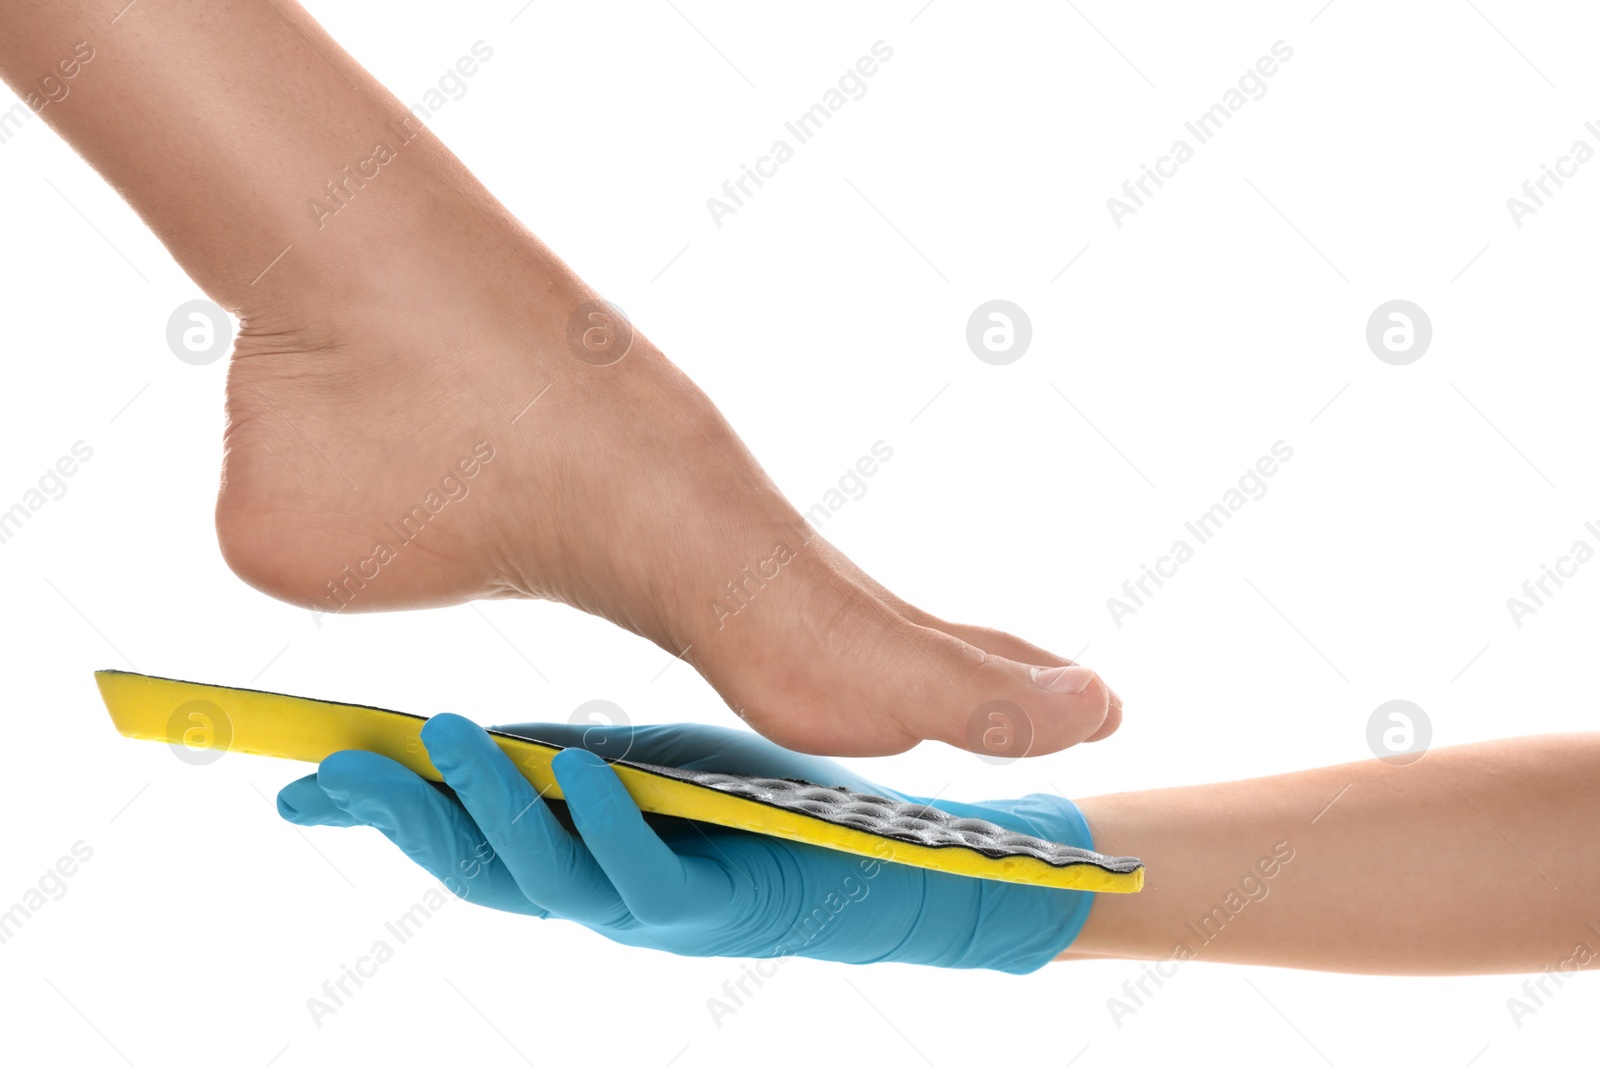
(271, 724)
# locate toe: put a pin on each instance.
(846, 674)
(1015, 649)
(994, 642)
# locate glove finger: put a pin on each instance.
(434, 830)
(655, 883)
(305, 803)
(553, 869)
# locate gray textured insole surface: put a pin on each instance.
(897, 820)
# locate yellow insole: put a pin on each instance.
(213, 717)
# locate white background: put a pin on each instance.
(1227, 314)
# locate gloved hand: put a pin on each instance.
(689, 888)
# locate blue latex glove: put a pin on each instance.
(689, 888)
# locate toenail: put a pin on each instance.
(1062, 679)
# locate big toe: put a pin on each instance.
(869, 681)
(1010, 647)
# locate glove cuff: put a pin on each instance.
(1055, 916)
(1003, 926)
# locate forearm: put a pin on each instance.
(237, 129)
(1475, 859)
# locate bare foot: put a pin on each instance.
(418, 425)
(421, 409)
